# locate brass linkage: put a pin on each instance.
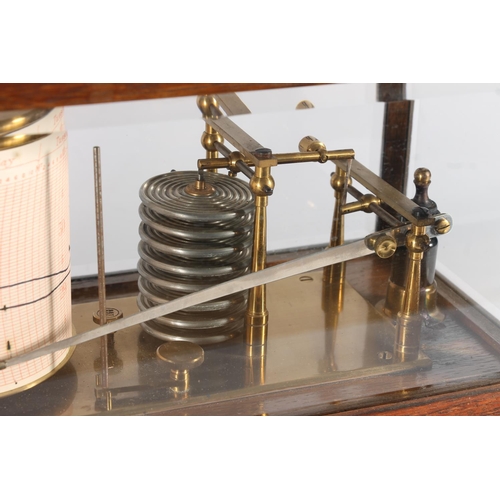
(396, 288)
(209, 107)
(422, 221)
(283, 158)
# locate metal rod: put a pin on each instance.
(346, 182)
(356, 193)
(101, 273)
(245, 169)
(375, 208)
(283, 158)
(222, 149)
(320, 156)
(242, 166)
(384, 215)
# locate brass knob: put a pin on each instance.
(422, 181)
(385, 246)
(305, 105)
(181, 356)
(422, 177)
(310, 143)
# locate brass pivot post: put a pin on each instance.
(409, 320)
(209, 107)
(422, 180)
(334, 274)
(255, 365)
(395, 290)
(262, 185)
(181, 357)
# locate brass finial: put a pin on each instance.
(422, 177)
(422, 181)
(209, 106)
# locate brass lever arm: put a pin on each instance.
(268, 275)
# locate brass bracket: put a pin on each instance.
(388, 194)
(378, 242)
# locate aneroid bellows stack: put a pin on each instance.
(195, 232)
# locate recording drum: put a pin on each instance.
(35, 271)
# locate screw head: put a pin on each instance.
(112, 314)
(263, 153)
(385, 246)
(385, 355)
(442, 225)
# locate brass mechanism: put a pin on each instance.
(411, 239)
(394, 301)
(181, 357)
(417, 252)
(262, 184)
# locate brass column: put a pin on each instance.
(396, 288)
(409, 320)
(332, 274)
(335, 274)
(262, 184)
(209, 107)
(255, 365)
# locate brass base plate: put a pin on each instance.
(306, 345)
(319, 340)
(315, 361)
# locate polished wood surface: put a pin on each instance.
(50, 95)
(483, 401)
